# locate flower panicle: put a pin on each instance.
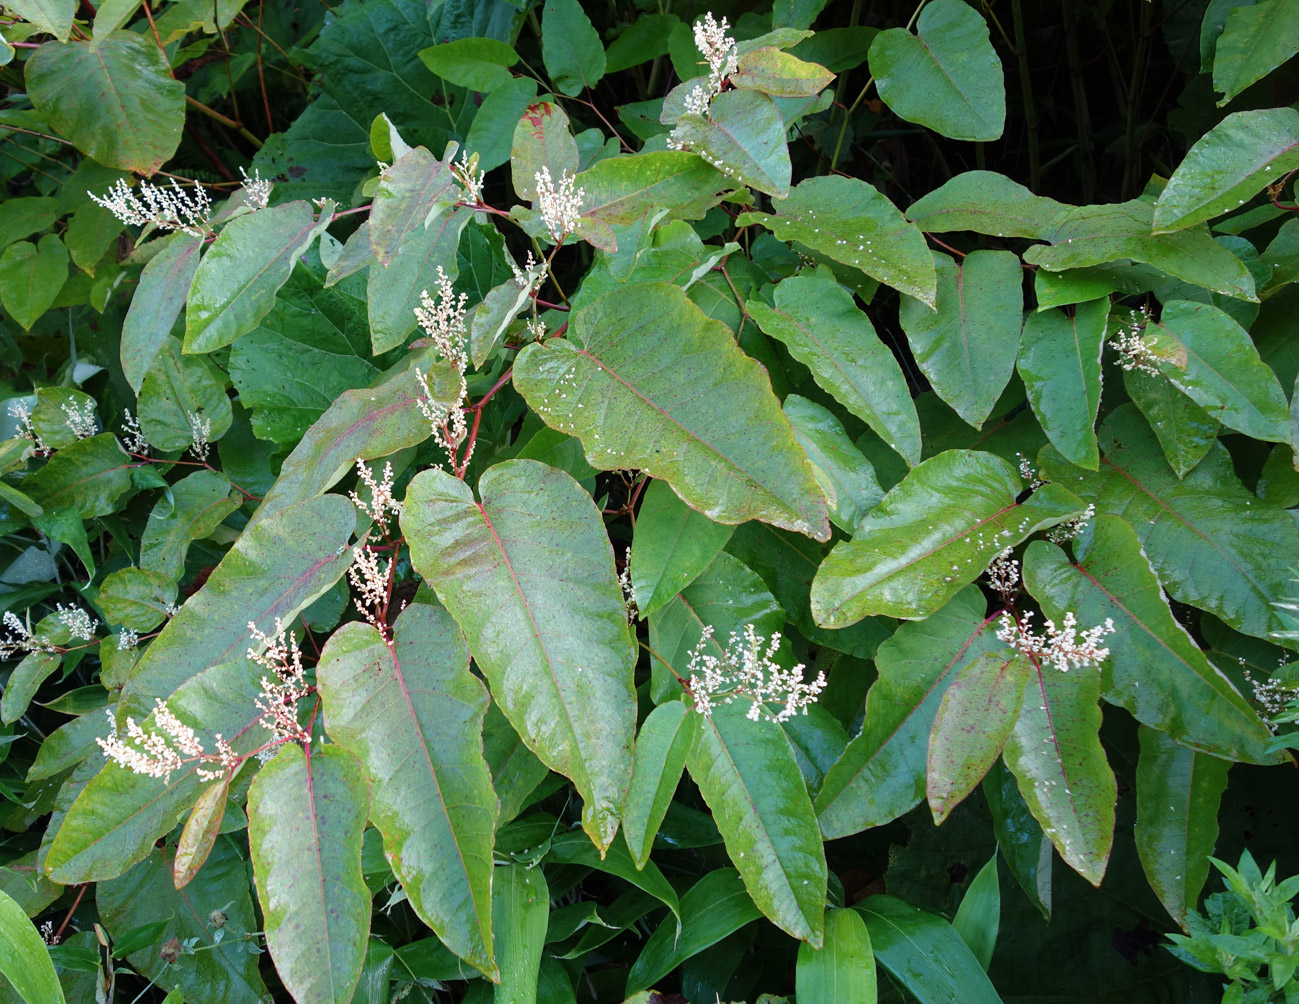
(281, 691)
(161, 752)
(1064, 647)
(746, 670)
(167, 208)
(381, 505)
(560, 204)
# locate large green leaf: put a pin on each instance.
(412, 713)
(24, 959)
(933, 533)
(236, 282)
(620, 190)
(1055, 753)
(570, 47)
(115, 99)
(1155, 669)
(987, 203)
(24, 680)
(843, 470)
(661, 747)
(306, 816)
(850, 221)
(1060, 364)
(221, 970)
(520, 907)
(949, 78)
(272, 572)
(972, 725)
(90, 475)
(617, 385)
(1233, 161)
(410, 191)
(743, 136)
(479, 64)
(54, 16)
(823, 329)
(843, 968)
(31, 276)
(966, 348)
(192, 508)
(1178, 794)
(177, 391)
(924, 953)
(161, 293)
(1256, 39)
(672, 544)
(1210, 358)
(882, 771)
(1097, 235)
(542, 138)
(1212, 543)
(528, 574)
(749, 777)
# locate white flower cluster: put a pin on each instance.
(369, 576)
(22, 414)
(80, 419)
(135, 439)
(127, 640)
(167, 209)
(381, 504)
(745, 670)
(257, 193)
(443, 321)
(20, 639)
(1070, 528)
(1027, 472)
(278, 702)
(531, 276)
(628, 589)
(79, 623)
(200, 429)
(719, 52)
(466, 172)
(560, 206)
(1003, 574)
(1062, 648)
(158, 754)
(1134, 351)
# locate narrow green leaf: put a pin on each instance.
(881, 774)
(743, 135)
(306, 815)
(200, 832)
(1155, 669)
(749, 777)
(966, 348)
(575, 848)
(570, 47)
(672, 544)
(1027, 850)
(947, 76)
(661, 747)
(1060, 364)
(235, 284)
(823, 329)
(978, 918)
(24, 959)
(1185, 430)
(480, 64)
(842, 970)
(542, 138)
(987, 203)
(843, 470)
(528, 574)
(161, 293)
(924, 953)
(1256, 39)
(176, 387)
(616, 384)
(1178, 794)
(91, 475)
(115, 100)
(1232, 162)
(411, 711)
(933, 533)
(520, 907)
(850, 221)
(410, 192)
(972, 725)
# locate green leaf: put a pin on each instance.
(410, 193)
(528, 574)
(615, 383)
(924, 953)
(64, 524)
(1098, 235)
(90, 475)
(190, 510)
(236, 282)
(749, 777)
(91, 229)
(881, 774)
(272, 572)
(780, 74)
(843, 969)
(1155, 669)
(480, 64)
(53, 16)
(842, 469)
(966, 348)
(491, 134)
(393, 291)
(31, 276)
(672, 544)
(987, 203)
(818, 322)
(1256, 39)
(979, 915)
(1178, 794)
(620, 190)
(199, 835)
(1055, 753)
(542, 138)
(574, 848)
(946, 77)
(405, 708)
(1027, 850)
(177, 390)
(1212, 543)
(743, 135)
(136, 599)
(570, 47)
(1210, 358)
(661, 747)
(714, 907)
(933, 533)
(115, 100)
(24, 680)
(520, 908)
(162, 291)
(1230, 163)
(1060, 364)
(972, 725)
(1185, 430)
(850, 221)
(24, 959)
(68, 746)
(306, 814)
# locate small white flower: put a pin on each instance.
(1003, 574)
(381, 504)
(80, 419)
(158, 754)
(79, 623)
(127, 640)
(1134, 351)
(471, 179)
(531, 276)
(745, 670)
(1070, 528)
(135, 440)
(278, 702)
(370, 579)
(1062, 648)
(175, 209)
(560, 206)
(257, 193)
(19, 638)
(201, 430)
(19, 411)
